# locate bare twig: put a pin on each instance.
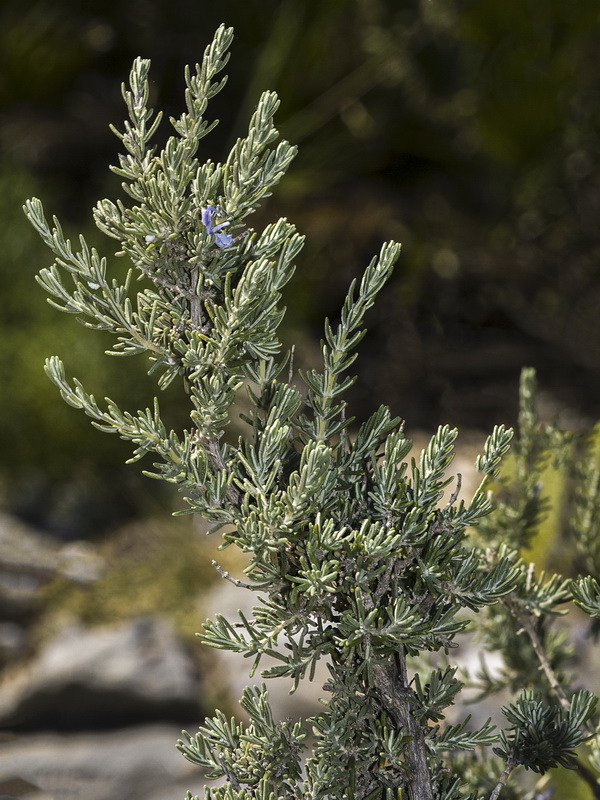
(524, 619)
(224, 574)
(216, 458)
(195, 302)
(503, 779)
(455, 493)
(291, 368)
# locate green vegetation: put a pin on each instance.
(356, 554)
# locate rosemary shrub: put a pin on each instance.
(359, 555)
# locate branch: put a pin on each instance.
(399, 701)
(224, 574)
(524, 619)
(591, 779)
(503, 779)
(213, 450)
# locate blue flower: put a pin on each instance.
(222, 239)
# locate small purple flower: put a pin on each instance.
(222, 239)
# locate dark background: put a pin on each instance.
(466, 130)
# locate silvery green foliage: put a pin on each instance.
(359, 554)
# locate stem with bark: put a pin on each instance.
(400, 701)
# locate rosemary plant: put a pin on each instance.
(359, 555)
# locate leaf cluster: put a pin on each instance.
(360, 554)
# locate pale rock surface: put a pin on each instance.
(139, 763)
(97, 678)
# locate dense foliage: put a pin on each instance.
(358, 555)
(466, 131)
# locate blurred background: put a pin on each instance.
(469, 131)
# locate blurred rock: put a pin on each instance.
(139, 763)
(13, 642)
(78, 561)
(103, 678)
(28, 560)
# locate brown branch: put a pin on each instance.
(455, 493)
(587, 775)
(503, 779)
(528, 627)
(211, 443)
(524, 619)
(399, 701)
(195, 302)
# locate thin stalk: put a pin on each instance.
(524, 619)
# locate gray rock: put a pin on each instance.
(28, 560)
(13, 642)
(86, 679)
(139, 763)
